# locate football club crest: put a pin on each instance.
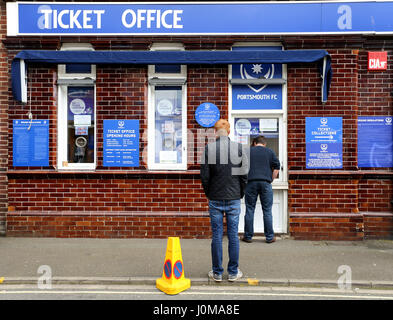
(257, 71)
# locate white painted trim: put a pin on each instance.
(13, 30)
(212, 2)
(23, 81)
(166, 79)
(151, 143)
(62, 134)
(12, 19)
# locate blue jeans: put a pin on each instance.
(231, 208)
(264, 190)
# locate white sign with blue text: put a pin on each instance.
(324, 143)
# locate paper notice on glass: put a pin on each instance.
(268, 125)
(242, 139)
(81, 130)
(168, 127)
(82, 120)
(168, 156)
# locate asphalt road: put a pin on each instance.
(211, 294)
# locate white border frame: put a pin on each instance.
(62, 126)
(172, 78)
(62, 137)
(282, 182)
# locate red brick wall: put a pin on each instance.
(43, 105)
(322, 195)
(115, 225)
(375, 194)
(122, 93)
(315, 226)
(107, 193)
(304, 100)
(378, 226)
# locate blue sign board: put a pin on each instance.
(324, 143)
(199, 18)
(207, 114)
(375, 142)
(30, 143)
(121, 143)
(252, 96)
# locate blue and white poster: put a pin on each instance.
(207, 114)
(324, 143)
(121, 143)
(253, 96)
(375, 142)
(30, 143)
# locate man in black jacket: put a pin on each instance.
(264, 168)
(224, 171)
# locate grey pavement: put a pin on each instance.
(286, 262)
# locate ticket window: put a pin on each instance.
(80, 124)
(247, 128)
(167, 113)
(168, 126)
(76, 143)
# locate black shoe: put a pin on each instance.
(246, 240)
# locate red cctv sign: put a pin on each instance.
(377, 61)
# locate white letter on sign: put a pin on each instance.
(345, 21)
(124, 16)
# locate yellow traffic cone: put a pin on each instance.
(173, 280)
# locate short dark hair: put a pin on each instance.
(259, 140)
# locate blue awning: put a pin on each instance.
(23, 58)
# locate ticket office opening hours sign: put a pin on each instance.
(121, 143)
(324, 143)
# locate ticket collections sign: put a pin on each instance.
(121, 143)
(375, 142)
(324, 143)
(30, 143)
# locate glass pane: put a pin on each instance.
(78, 68)
(168, 125)
(80, 123)
(248, 128)
(167, 68)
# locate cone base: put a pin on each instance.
(174, 288)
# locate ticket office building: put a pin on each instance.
(104, 137)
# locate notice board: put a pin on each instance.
(30, 143)
(121, 143)
(375, 142)
(324, 143)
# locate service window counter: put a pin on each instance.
(258, 107)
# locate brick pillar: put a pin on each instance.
(4, 77)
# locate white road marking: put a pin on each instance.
(386, 297)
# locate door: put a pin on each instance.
(272, 128)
